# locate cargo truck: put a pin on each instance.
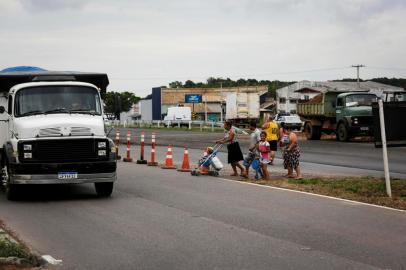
(346, 114)
(242, 107)
(52, 131)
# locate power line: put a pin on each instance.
(387, 68)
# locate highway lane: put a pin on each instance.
(159, 219)
(361, 155)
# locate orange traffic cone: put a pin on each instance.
(153, 162)
(128, 157)
(169, 159)
(185, 163)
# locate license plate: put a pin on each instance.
(364, 128)
(67, 175)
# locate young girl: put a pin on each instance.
(264, 149)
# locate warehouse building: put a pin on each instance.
(208, 104)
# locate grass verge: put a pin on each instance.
(14, 254)
(363, 189)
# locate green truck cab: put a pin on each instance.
(346, 114)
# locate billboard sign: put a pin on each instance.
(193, 98)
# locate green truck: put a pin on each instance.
(347, 114)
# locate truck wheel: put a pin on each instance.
(312, 132)
(10, 190)
(104, 189)
(342, 133)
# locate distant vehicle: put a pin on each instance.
(242, 108)
(290, 120)
(176, 114)
(347, 114)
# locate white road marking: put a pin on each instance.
(313, 194)
(51, 260)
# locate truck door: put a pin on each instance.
(3, 120)
(339, 108)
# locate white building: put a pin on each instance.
(287, 97)
(145, 109)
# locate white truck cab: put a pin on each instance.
(52, 131)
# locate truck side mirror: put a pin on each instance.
(2, 109)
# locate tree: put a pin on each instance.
(189, 84)
(175, 84)
(116, 102)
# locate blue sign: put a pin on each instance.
(193, 98)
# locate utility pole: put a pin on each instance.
(358, 67)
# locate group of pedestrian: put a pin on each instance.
(263, 146)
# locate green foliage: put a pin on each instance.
(116, 102)
(393, 81)
(9, 249)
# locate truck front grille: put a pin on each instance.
(62, 150)
(365, 120)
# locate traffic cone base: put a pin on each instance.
(127, 159)
(152, 163)
(142, 161)
(168, 167)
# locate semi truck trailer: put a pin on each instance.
(52, 131)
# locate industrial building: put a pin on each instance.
(208, 104)
(287, 97)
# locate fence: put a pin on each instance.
(202, 125)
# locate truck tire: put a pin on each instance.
(342, 133)
(104, 189)
(10, 190)
(312, 132)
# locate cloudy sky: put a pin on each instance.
(142, 44)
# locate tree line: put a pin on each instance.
(213, 82)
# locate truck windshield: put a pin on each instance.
(361, 100)
(57, 99)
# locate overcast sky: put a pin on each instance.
(142, 44)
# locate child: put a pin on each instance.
(264, 149)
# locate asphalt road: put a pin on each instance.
(160, 219)
(356, 155)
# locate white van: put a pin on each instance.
(178, 114)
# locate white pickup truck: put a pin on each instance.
(52, 131)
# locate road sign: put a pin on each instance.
(193, 98)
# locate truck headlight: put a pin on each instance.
(355, 120)
(101, 144)
(27, 147)
(102, 152)
(27, 155)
